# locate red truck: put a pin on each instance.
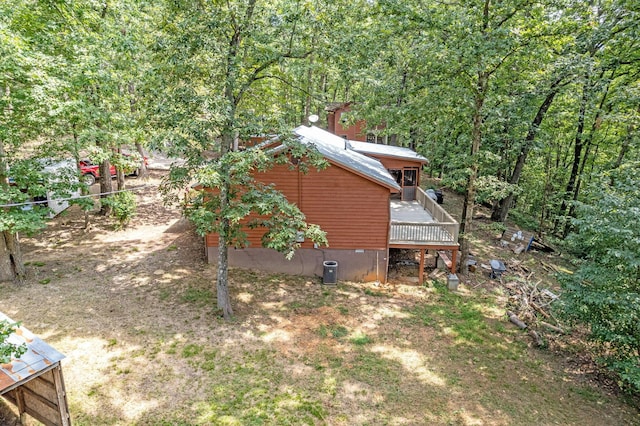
(91, 172)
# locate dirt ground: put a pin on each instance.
(133, 312)
(86, 287)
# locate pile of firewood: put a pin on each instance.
(528, 307)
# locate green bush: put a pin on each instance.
(124, 207)
(604, 292)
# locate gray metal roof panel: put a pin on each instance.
(387, 150)
(38, 357)
(337, 149)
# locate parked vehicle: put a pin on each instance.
(59, 180)
(91, 172)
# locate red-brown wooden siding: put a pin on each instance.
(352, 210)
(397, 163)
(354, 132)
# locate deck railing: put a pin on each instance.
(444, 230)
(438, 213)
(424, 233)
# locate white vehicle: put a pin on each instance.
(56, 173)
(60, 171)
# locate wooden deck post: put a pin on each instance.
(421, 270)
(454, 255)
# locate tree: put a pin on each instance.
(581, 132)
(215, 60)
(604, 292)
(501, 208)
(23, 81)
(500, 34)
(61, 77)
(101, 46)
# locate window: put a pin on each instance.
(373, 138)
(397, 175)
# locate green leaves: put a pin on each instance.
(605, 290)
(30, 185)
(9, 350)
(124, 207)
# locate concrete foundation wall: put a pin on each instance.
(353, 265)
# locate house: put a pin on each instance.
(352, 202)
(403, 164)
(339, 123)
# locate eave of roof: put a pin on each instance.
(387, 151)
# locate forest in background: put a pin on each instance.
(529, 106)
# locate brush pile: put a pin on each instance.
(529, 305)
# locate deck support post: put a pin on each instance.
(421, 270)
(454, 255)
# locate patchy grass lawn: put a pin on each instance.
(133, 311)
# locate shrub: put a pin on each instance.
(124, 207)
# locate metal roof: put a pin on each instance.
(332, 106)
(38, 357)
(387, 151)
(337, 150)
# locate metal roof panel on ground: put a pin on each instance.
(38, 357)
(387, 151)
(336, 149)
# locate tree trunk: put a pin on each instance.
(106, 186)
(120, 179)
(394, 140)
(548, 188)
(577, 152)
(470, 194)
(222, 280)
(11, 263)
(228, 133)
(501, 210)
(120, 174)
(143, 171)
(309, 88)
(481, 88)
(603, 109)
(586, 145)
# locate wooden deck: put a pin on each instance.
(422, 224)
